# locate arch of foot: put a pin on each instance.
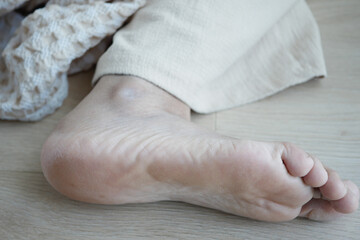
(39, 55)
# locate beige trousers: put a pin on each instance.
(215, 54)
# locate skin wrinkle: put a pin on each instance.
(129, 156)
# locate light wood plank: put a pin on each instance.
(31, 209)
(323, 116)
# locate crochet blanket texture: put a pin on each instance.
(41, 49)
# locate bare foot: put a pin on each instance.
(129, 141)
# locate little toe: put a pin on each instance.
(350, 202)
(317, 176)
(334, 188)
(319, 210)
(296, 160)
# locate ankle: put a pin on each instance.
(133, 91)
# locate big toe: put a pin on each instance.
(325, 210)
(319, 210)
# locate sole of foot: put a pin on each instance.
(129, 141)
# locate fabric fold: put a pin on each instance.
(218, 55)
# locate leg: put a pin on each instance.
(129, 141)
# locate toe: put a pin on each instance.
(317, 176)
(324, 210)
(350, 202)
(296, 160)
(319, 210)
(334, 188)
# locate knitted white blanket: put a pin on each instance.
(38, 51)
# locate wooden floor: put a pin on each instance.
(322, 116)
